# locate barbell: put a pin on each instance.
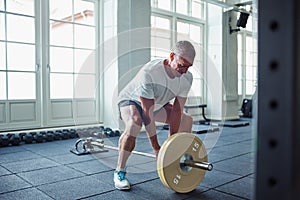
(181, 163)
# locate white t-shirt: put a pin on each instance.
(153, 82)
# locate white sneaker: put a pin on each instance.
(121, 182)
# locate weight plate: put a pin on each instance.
(173, 152)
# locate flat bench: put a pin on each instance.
(193, 106)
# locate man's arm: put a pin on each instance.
(176, 114)
(148, 107)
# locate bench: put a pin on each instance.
(194, 106)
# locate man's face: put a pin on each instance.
(179, 64)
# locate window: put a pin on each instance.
(48, 61)
(72, 45)
(17, 51)
(182, 6)
(194, 33)
(247, 64)
(160, 37)
(180, 22)
(164, 4)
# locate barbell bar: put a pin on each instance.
(178, 162)
(89, 142)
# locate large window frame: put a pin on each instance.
(247, 59)
(166, 9)
(36, 110)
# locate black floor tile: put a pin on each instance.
(70, 158)
(243, 187)
(216, 178)
(75, 188)
(11, 183)
(237, 165)
(91, 167)
(116, 194)
(4, 171)
(214, 195)
(26, 194)
(11, 149)
(50, 175)
(17, 156)
(156, 190)
(29, 165)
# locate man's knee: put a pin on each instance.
(134, 121)
(187, 118)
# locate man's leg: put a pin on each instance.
(163, 115)
(133, 124)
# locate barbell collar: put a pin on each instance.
(197, 164)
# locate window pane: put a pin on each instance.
(159, 53)
(84, 36)
(181, 6)
(23, 7)
(21, 85)
(20, 28)
(61, 59)
(2, 27)
(61, 34)
(161, 43)
(250, 59)
(249, 44)
(2, 5)
(20, 57)
(250, 73)
(240, 72)
(84, 61)
(2, 56)
(195, 33)
(60, 9)
(160, 23)
(240, 87)
(197, 9)
(196, 69)
(160, 37)
(84, 12)
(2, 85)
(249, 25)
(164, 4)
(196, 90)
(239, 41)
(61, 86)
(85, 86)
(250, 87)
(183, 29)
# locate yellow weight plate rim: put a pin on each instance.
(160, 160)
(168, 164)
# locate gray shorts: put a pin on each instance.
(128, 103)
(136, 104)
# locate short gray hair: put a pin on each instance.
(185, 49)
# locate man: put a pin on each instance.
(146, 99)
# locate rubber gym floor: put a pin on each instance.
(49, 171)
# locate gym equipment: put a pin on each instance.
(14, 139)
(4, 140)
(37, 137)
(22, 136)
(178, 160)
(73, 133)
(65, 134)
(247, 108)
(28, 138)
(198, 129)
(47, 136)
(181, 164)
